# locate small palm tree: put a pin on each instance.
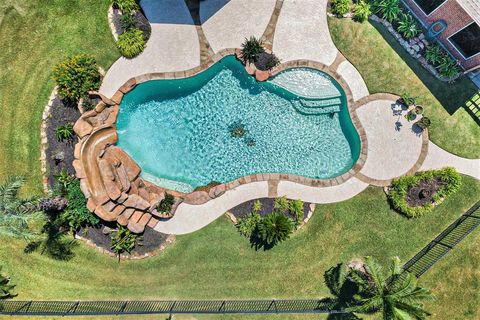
(397, 297)
(15, 213)
(275, 228)
(6, 289)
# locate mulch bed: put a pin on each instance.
(151, 239)
(60, 153)
(267, 207)
(423, 192)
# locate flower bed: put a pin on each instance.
(418, 194)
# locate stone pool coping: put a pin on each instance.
(111, 204)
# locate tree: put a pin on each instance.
(397, 297)
(15, 213)
(6, 288)
(275, 228)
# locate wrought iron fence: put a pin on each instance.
(444, 242)
(77, 308)
(418, 265)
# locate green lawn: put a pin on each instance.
(33, 40)
(387, 67)
(216, 262)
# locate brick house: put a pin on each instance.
(458, 22)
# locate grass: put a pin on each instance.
(34, 38)
(387, 67)
(217, 262)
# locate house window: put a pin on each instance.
(467, 40)
(428, 6)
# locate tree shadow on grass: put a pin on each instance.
(452, 96)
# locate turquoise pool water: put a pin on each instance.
(181, 131)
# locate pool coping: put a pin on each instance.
(105, 207)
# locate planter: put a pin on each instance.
(410, 116)
(418, 110)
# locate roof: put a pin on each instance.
(472, 7)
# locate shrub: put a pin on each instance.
(361, 11)
(408, 99)
(247, 225)
(257, 206)
(63, 180)
(64, 132)
(123, 241)
(131, 43)
(341, 7)
(296, 209)
(266, 61)
(397, 192)
(126, 6)
(424, 123)
(275, 228)
(448, 67)
(408, 26)
(389, 9)
(128, 21)
(281, 204)
(75, 76)
(76, 215)
(6, 288)
(251, 48)
(165, 206)
(434, 54)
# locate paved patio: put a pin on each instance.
(300, 32)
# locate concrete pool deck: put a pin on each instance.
(298, 32)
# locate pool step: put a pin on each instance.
(320, 103)
(315, 110)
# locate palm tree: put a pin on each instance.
(15, 213)
(397, 297)
(5, 287)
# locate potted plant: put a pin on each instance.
(407, 100)
(423, 123)
(410, 116)
(418, 109)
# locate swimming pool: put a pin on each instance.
(221, 125)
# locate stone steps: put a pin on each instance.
(311, 109)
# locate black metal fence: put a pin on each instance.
(444, 242)
(77, 308)
(418, 265)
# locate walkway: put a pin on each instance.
(188, 37)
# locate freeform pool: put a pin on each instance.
(184, 133)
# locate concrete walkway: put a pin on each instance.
(391, 151)
(438, 158)
(302, 32)
(173, 45)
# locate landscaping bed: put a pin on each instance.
(245, 208)
(418, 194)
(59, 153)
(100, 235)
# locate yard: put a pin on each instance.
(368, 46)
(34, 38)
(217, 262)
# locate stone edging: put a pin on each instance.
(170, 239)
(44, 140)
(97, 133)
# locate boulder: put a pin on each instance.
(105, 214)
(122, 198)
(250, 68)
(89, 114)
(96, 94)
(262, 75)
(77, 150)
(217, 191)
(125, 216)
(79, 172)
(197, 197)
(152, 223)
(118, 210)
(112, 117)
(100, 107)
(85, 189)
(128, 86)
(131, 167)
(123, 178)
(109, 206)
(117, 97)
(91, 204)
(106, 170)
(137, 202)
(139, 226)
(82, 128)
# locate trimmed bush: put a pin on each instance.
(76, 215)
(247, 225)
(126, 6)
(424, 123)
(251, 48)
(361, 11)
(75, 76)
(408, 26)
(341, 7)
(131, 43)
(165, 206)
(275, 228)
(448, 177)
